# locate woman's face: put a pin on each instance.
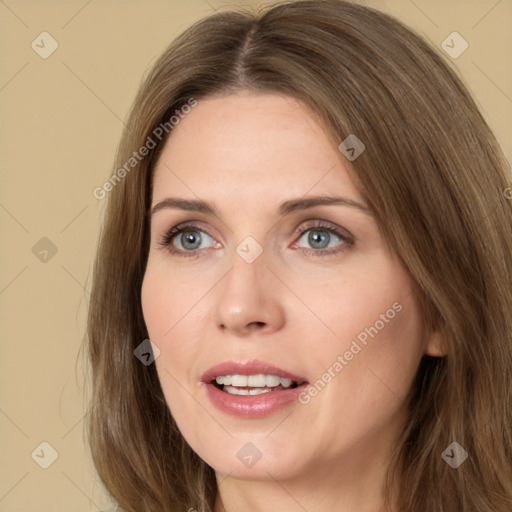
(280, 273)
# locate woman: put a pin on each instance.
(310, 220)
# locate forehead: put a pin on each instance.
(251, 145)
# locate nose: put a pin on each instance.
(248, 299)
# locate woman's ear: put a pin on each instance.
(436, 344)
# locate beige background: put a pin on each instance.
(61, 119)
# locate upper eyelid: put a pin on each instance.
(319, 223)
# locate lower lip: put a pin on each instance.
(252, 406)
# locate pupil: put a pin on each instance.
(319, 239)
(191, 240)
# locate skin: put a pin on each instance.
(246, 153)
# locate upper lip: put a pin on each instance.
(253, 367)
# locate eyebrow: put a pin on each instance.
(285, 208)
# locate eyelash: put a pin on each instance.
(166, 240)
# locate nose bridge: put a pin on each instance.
(247, 297)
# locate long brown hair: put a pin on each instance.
(437, 182)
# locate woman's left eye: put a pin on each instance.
(322, 240)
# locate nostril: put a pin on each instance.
(258, 324)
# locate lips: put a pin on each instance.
(251, 389)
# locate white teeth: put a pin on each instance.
(258, 391)
(236, 391)
(272, 380)
(239, 380)
(232, 390)
(223, 379)
(256, 381)
(286, 383)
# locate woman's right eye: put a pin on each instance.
(186, 239)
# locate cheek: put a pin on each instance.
(154, 304)
(392, 348)
(166, 299)
(375, 344)
(388, 327)
(172, 313)
(165, 317)
(368, 302)
(364, 373)
(380, 348)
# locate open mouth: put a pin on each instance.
(253, 384)
(251, 389)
